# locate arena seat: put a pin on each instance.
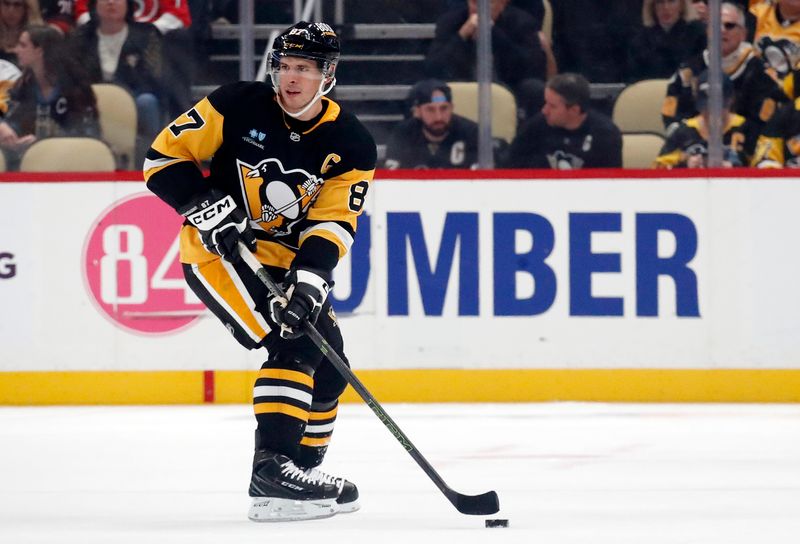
(118, 120)
(68, 155)
(639, 150)
(504, 107)
(638, 106)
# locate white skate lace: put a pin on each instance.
(324, 477)
(292, 471)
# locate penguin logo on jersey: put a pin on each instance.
(561, 160)
(781, 55)
(276, 196)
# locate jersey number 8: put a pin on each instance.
(358, 194)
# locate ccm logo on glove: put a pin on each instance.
(209, 216)
(221, 224)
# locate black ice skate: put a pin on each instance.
(348, 495)
(282, 491)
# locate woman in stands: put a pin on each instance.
(670, 34)
(15, 15)
(52, 97)
(116, 49)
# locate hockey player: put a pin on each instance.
(289, 176)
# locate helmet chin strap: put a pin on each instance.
(319, 94)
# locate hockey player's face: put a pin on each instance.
(299, 81)
(436, 115)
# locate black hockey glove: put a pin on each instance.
(306, 292)
(221, 224)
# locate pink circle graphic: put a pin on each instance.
(132, 269)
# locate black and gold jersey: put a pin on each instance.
(302, 183)
(779, 143)
(597, 143)
(777, 39)
(755, 93)
(691, 138)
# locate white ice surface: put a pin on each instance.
(565, 473)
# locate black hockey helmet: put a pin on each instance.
(315, 41)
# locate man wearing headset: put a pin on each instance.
(289, 175)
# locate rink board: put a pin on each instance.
(462, 286)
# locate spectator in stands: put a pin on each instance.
(166, 15)
(778, 35)
(116, 49)
(59, 13)
(778, 145)
(567, 135)
(701, 9)
(52, 97)
(14, 16)
(434, 137)
(755, 93)
(670, 34)
(593, 38)
(687, 146)
(522, 58)
(173, 19)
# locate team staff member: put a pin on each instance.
(434, 137)
(289, 176)
(567, 135)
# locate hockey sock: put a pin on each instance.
(317, 435)
(281, 401)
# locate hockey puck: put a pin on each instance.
(492, 523)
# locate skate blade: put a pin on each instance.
(265, 509)
(348, 507)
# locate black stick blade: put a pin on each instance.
(478, 505)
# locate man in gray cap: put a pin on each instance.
(434, 137)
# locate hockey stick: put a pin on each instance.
(484, 504)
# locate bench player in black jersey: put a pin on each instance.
(289, 174)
